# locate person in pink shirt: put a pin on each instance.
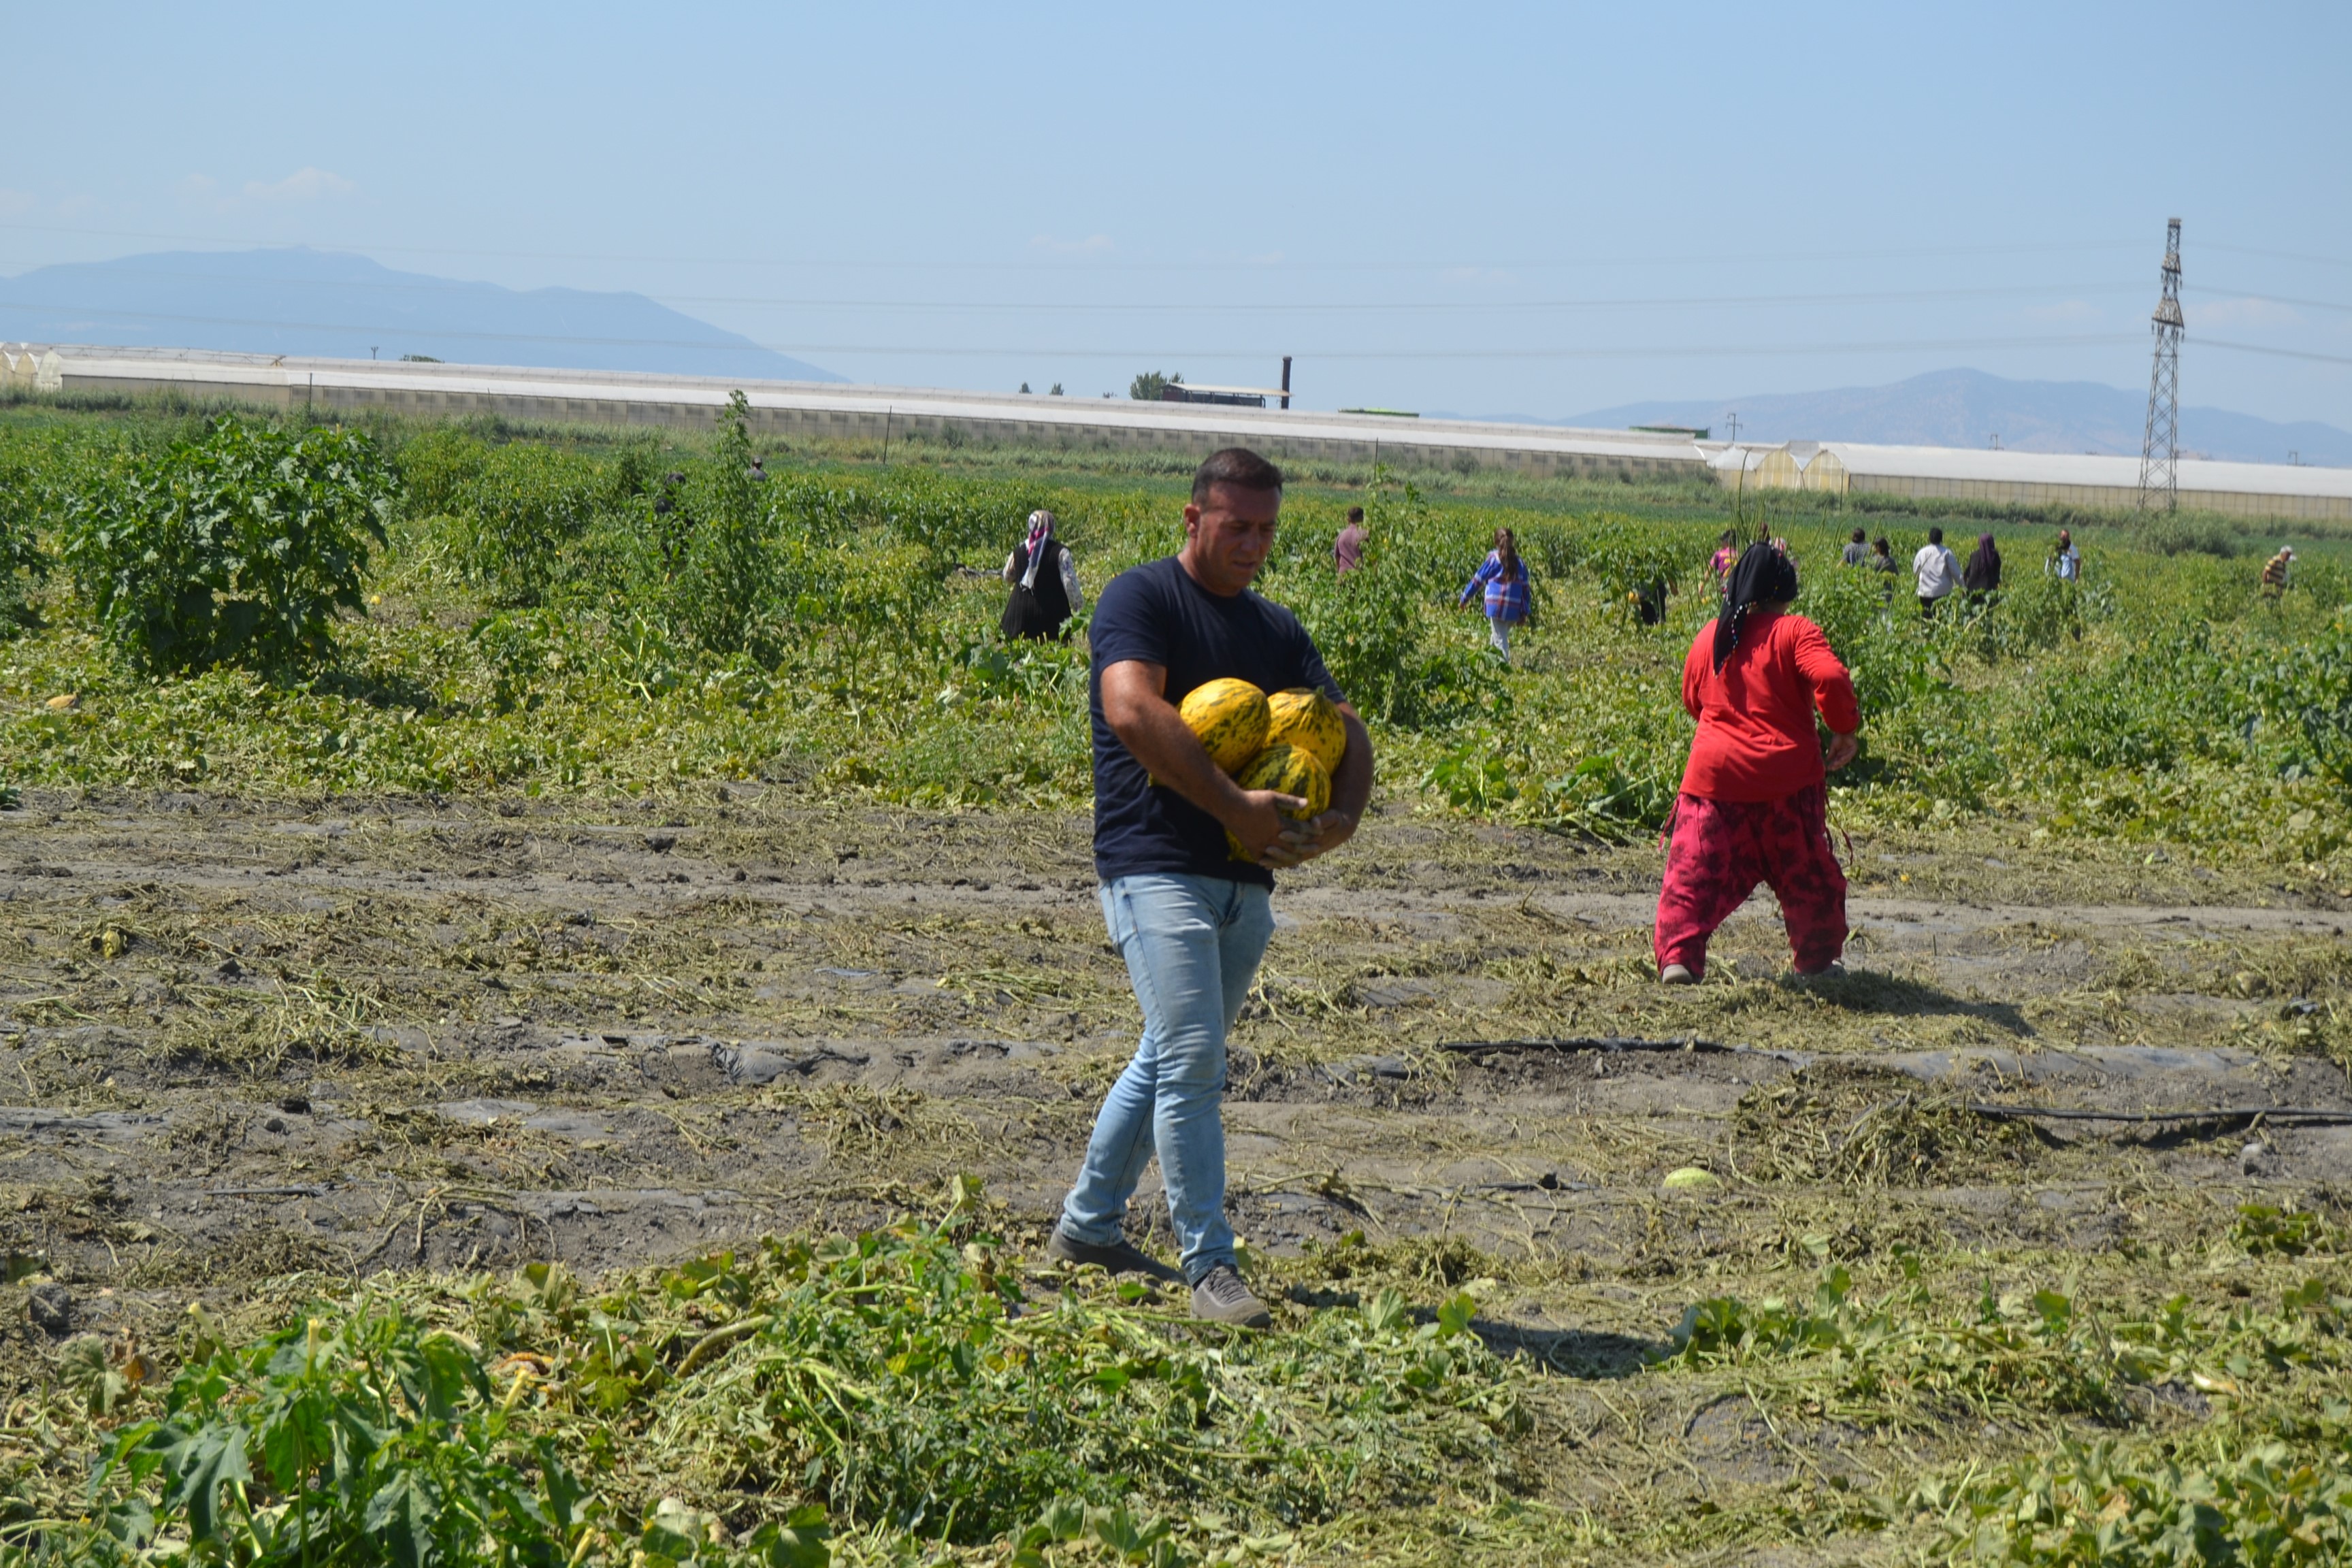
(1726, 555)
(1347, 550)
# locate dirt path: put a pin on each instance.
(239, 1038)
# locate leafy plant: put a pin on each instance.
(23, 565)
(2309, 688)
(2265, 1230)
(374, 1440)
(2129, 1505)
(901, 1379)
(721, 590)
(1601, 797)
(237, 547)
(521, 511)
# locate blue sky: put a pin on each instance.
(1487, 209)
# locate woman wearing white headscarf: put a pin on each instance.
(1045, 584)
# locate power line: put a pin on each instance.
(1448, 306)
(1261, 264)
(1162, 351)
(2281, 353)
(1382, 306)
(2265, 299)
(2282, 255)
(1890, 295)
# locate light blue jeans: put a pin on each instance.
(1191, 946)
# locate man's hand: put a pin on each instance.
(1264, 826)
(1303, 841)
(1841, 750)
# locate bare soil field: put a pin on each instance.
(246, 1041)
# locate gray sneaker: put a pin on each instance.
(1123, 1258)
(1222, 1298)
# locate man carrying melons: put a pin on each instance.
(1184, 854)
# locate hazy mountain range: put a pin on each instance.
(303, 301)
(1967, 408)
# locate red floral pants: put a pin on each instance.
(1722, 848)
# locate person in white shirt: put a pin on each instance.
(2067, 561)
(1937, 572)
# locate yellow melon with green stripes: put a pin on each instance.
(1290, 770)
(1230, 717)
(1305, 717)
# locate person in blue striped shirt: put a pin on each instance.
(1509, 600)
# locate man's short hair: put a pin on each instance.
(1355, 514)
(1857, 536)
(1238, 467)
(1934, 536)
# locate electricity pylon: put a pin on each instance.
(2160, 449)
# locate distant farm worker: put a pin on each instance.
(1855, 552)
(666, 499)
(2065, 561)
(1727, 554)
(670, 522)
(1754, 803)
(1347, 550)
(1881, 560)
(2275, 571)
(1937, 572)
(1649, 600)
(1981, 578)
(1045, 584)
(1191, 921)
(1509, 601)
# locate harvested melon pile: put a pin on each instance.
(1291, 741)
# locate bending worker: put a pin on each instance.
(1754, 802)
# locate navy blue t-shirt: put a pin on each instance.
(1157, 614)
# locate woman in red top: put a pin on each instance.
(1754, 805)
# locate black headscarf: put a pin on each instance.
(1983, 569)
(1764, 576)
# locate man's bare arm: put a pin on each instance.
(1136, 706)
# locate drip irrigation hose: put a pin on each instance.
(1589, 1042)
(2300, 1115)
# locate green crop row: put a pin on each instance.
(548, 614)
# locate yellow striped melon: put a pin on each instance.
(1230, 718)
(1305, 717)
(1291, 771)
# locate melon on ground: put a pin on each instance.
(1230, 717)
(1305, 717)
(1290, 770)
